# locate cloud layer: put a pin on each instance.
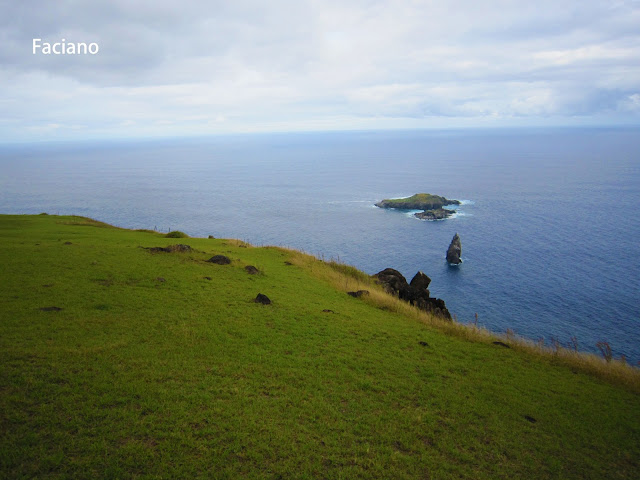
(198, 67)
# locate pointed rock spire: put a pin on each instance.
(454, 251)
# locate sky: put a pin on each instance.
(167, 68)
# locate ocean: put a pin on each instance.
(549, 222)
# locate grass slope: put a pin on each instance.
(151, 370)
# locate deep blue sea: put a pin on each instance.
(550, 223)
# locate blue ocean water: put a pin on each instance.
(549, 226)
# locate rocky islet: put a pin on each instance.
(431, 205)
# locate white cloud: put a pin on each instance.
(631, 103)
(590, 53)
(198, 66)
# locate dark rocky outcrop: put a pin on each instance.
(392, 281)
(416, 293)
(220, 260)
(251, 270)
(433, 305)
(420, 281)
(263, 299)
(454, 251)
(435, 214)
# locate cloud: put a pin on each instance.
(631, 103)
(202, 67)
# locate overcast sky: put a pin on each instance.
(206, 67)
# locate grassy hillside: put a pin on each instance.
(161, 365)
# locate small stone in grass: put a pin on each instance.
(263, 299)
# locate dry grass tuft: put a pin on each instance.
(238, 243)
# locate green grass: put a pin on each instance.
(152, 370)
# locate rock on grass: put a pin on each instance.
(220, 260)
(263, 299)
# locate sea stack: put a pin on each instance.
(454, 251)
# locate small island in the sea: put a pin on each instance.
(432, 205)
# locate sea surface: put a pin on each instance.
(550, 221)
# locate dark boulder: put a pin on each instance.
(420, 281)
(435, 306)
(220, 260)
(392, 281)
(263, 299)
(454, 251)
(251, 270)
